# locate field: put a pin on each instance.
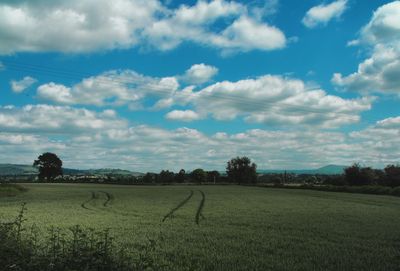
(228, 227)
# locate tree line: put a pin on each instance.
(240, 170)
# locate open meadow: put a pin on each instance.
(227, 227)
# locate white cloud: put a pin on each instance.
(110, 88)
(86, 26)
(384, 26)
(322, 14)
(268, 99)
(199, 74)
(268, 8)
(380, 73)
(56, 119)
(147, 148)
(73, 26)
(194, 24)
(182, 115)
(84, 138)
(21, 85)
(246, 34)
(390, 123)
(2, 67)
(274, 100)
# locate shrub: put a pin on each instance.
(77, 249)
(396, 191)
(357, 175)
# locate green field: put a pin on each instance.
(228, 227)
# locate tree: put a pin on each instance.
(199, 175)
(165, 176)
(213, 176)
(392, 177)
(180, 177)
(49, 165)
(149, 178)
(357, 175)
(241, 170)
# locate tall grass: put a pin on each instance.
(78, 248)
(9, 190)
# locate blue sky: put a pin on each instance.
(150, 85)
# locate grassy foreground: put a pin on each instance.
(227, 227)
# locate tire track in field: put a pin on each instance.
(199, 212)
(83, 205)
(180, 205)
(109, 198)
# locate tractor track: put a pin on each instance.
(83, 205)
(199, 213)
(109, 198)
(180, 205)
(105, 205)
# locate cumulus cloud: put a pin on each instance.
(199, 74)
(56, 119)
(389, 123)
(384, 26)
(110, 88)
(274, 100)
(269, 99)
(322, 14)
(86, 26)
(147, 148)
(380, 141)
(380, 73)
(182, 115)
(73, 26)
(193, 24)
(21, 85)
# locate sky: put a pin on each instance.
(146, 85)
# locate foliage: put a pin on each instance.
(213, 176)
(392, 175)
(78, 248)
(166, 177)
(241, 170)
(357, 175)
(180, 177)
(199, 175)
(50, 166)
(244, 228)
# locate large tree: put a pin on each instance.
(357, 175)
(392, 175)
(241, 170)
(199, 175)
(49, 165)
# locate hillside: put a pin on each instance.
(14, 169)
(328, 170)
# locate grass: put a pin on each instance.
(227, 227)
(11, 190)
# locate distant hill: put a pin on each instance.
(328, 170)
(13, 169)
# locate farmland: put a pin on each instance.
(227, 227)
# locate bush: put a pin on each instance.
(77, 249)
(396, 191)
(357, 175)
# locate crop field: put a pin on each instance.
(227, 227)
